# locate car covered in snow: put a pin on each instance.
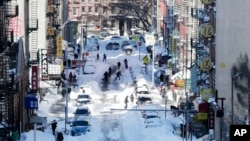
(152, 121)
(113, 46)
(144, 100)
(83, 99)
(82, 112)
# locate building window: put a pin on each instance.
(96, 9)
(83, 9)
(105, 10)
(74, 9)
(112, 23)
(90, 9)
(96, 0)
(83, 0)
(104, 23)
(112, 10)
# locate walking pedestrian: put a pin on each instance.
(60, 136)
(98, 47)
(110, 71)
(83, 56)
(74, 79)
(70, 77)
(126, 102)
(131, 98)
(104, 57)
(54, 125)
(75, 56)
(118, 75)
(118, 65)
(69, 63)
(126, 63)
(105, 76)
(97, 56)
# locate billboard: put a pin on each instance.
(59, 46)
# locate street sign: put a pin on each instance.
(139, 43)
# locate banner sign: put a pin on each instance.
(31, 102)
(44, 64)
(34, 78)
(59, 46)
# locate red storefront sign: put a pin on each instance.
(34, 78)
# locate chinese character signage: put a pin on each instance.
(207, 30)
(44, 64)
(59, 46)
(206, 64)
(34, 78)
(31, 102)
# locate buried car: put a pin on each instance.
(79, 127)
(144, 100)
(152, 121)
(112, 46)
(83, 99)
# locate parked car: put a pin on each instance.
(128, 49)
(82, 112)
(144, 100)
(83, 99)
(79, 127)
(152, 121)
(112, 46)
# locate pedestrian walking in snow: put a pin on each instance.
(97, 56)
(126, 63)
(104, 57)
(110, 71)
(69, 63)
(131, 98)
(126, 102)
(105, 77)
(118, 65)
(118, 75)
(54, 125)
(70, 77)
(98, 47)
(60, 136)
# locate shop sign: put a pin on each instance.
(179, 83)
(31, 102)
(207, 30)
(50, 9)
(207, 2)
(51, 31)
(206, 93)
(206, 64)
(34, 78)
(44, 64)
(59, 46)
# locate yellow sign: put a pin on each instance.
(202, 116)
(207, 1)
(179, 83)
(59, 46)
(206, 93)
(51, 31)
(206, 64)
(135, 38)
(207, 30)
(50, 9)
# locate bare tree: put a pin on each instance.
(137, 9)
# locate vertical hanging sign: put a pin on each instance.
(59, 46)
(44, 64)
(34, 78)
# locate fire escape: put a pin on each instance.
(8, 50)
(32, 30)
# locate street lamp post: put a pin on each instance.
(234, 78)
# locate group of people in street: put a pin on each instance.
(59, 135)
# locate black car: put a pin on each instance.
(82, 112)
(143, 100)
(112, 46)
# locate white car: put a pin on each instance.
(83, 99)
(152, 121)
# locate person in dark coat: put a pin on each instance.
(131, 98)
(98, 47)
(126, 63)
(161, 77)
(97, 56)
(69, 63)
(126, 102)
(75, 56)
(118, 65)
(54, 125)
(110, 71)
(118, 75)
(70, 77)
(60, 136)
(104, 57)
(106, 76)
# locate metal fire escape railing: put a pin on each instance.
(8, 10)
(33, 27)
